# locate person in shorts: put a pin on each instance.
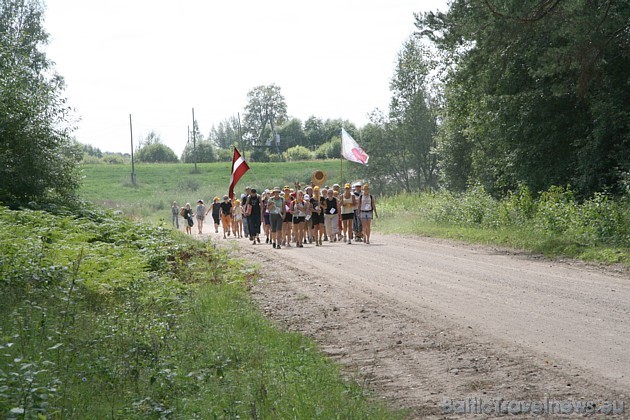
(188, 217)
(237, 219)
(357, 228)
(299, 208)
(200, 213)
(330, 215)
(348, 203)
(215, 208)
(226, 215)
(367, 206)
(317, 216)
(266, 221)
(287, 225)
(277, 213)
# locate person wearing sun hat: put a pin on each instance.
(317, 218)
(330, 215)
(357, 228)
(287, 225)
(347, 201)
(225, 211)
(237, 219)
(299, 208)
(276, 216)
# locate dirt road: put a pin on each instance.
(424, 322)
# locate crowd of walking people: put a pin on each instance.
(289, 216)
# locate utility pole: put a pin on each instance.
(194, 139)
(133, 171)
(240, 135)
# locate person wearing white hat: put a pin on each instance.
(348, 203)
(276, 217)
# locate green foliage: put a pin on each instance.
(101, 317)
(225, 155)
(402, 146)
(115, 159)
(156, 153)
(296, 153)
(38, 160)
(205, 152)
(259, 155)
(292, 134)
(226, 134)
(265, 105)
(555, 223)
(535, 94)
(329, 150)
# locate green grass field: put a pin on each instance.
(158, 185)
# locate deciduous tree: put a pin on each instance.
(38, 159)
(265, 105)
(537, 92)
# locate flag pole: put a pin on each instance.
(341, 159)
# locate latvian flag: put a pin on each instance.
(239, 167)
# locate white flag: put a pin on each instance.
(351, 150)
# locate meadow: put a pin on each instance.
(158, 185)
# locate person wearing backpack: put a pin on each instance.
(188, 216)
(367, 207)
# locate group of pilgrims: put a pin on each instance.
(290, 215)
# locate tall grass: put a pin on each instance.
(556, 223)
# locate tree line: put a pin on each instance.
(498, 95)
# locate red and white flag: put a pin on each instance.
(239, 167)
(351, 150)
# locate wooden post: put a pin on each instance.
(133, 171)
(194, 139)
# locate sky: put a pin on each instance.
(157, 60)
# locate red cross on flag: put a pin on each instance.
(351, 150)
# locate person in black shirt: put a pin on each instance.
(254, 210)
(331, 214)
(226, 215)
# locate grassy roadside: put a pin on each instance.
(555, 225)
(101, 317)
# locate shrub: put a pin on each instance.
(329, 150)
(298, 153)
(259, 155)
(224, 155)
(157, 153)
